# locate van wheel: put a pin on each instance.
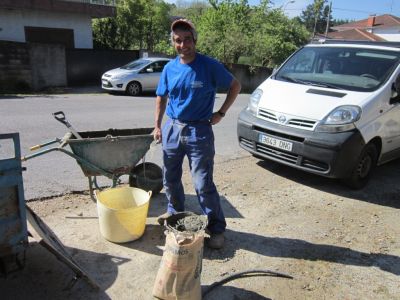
(134, 89)
(362, 170)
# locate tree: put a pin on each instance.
(137, 24)
(232, 29)
(277, 38)
(228, 29)
(315, 16)
(189, 9)
(224, 30)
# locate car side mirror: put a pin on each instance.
(395, 91)
(149, 70)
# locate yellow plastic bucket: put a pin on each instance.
(122, 213)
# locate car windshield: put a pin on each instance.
(355, 69)
(136, 64)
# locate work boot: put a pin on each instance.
(216, 240)
(161, 219)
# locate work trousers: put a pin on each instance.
(196, 141)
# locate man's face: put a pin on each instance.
(184, 44)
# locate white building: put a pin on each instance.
(375, 28)
(67, 22)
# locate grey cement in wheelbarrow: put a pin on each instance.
(115, 151)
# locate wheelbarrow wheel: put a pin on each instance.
(147, 176)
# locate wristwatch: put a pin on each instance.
(222, 114)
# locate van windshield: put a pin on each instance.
(355, 69)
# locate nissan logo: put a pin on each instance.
(282, 119)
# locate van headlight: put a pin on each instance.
(341, 119)
(255, 97)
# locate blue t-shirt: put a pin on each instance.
(191, 87)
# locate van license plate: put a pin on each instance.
(267, 140)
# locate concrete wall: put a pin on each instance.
(12, 23)
(38, 66)
(47, 65)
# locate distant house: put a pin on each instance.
(375, 28)
(67, 22)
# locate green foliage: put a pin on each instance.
(189, 9)
(336, 22)
(315, 16)
(229, 30)
(137, 24)
(233, 29)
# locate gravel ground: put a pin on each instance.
(335, 242)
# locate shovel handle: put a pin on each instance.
(60, 116)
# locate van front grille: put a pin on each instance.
(267, 115)
(245, 142)
(286, 120)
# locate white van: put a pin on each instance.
(330, 109)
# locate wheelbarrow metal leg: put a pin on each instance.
(91, 189)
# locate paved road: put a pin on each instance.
(56, 173)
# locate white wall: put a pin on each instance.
(390, 34)
(12, 24)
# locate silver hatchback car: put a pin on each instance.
(135, 77)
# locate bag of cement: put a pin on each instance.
(179, 274)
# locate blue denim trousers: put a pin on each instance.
(196, 141)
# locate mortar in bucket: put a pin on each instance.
(122, 213)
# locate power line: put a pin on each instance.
(355, 10)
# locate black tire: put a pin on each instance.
(147, 176)
(362, 170)
(134, 88)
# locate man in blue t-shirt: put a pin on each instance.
(186, 91)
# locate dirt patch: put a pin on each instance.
(336, 243)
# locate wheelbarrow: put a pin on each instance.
(110, 153)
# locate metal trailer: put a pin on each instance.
(13, 223)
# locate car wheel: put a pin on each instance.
(134, 89)
(362, 170)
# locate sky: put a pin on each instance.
(341, 9)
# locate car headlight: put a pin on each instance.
(341, 119)
(254, 100)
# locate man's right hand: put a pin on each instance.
(157, 135)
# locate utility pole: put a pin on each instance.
(329, 18)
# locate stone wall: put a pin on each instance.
(15, 69)
(25, 67)
(250, 77)
(86, 66)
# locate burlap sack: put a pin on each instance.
(179, 274)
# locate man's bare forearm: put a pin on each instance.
(161, 104)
